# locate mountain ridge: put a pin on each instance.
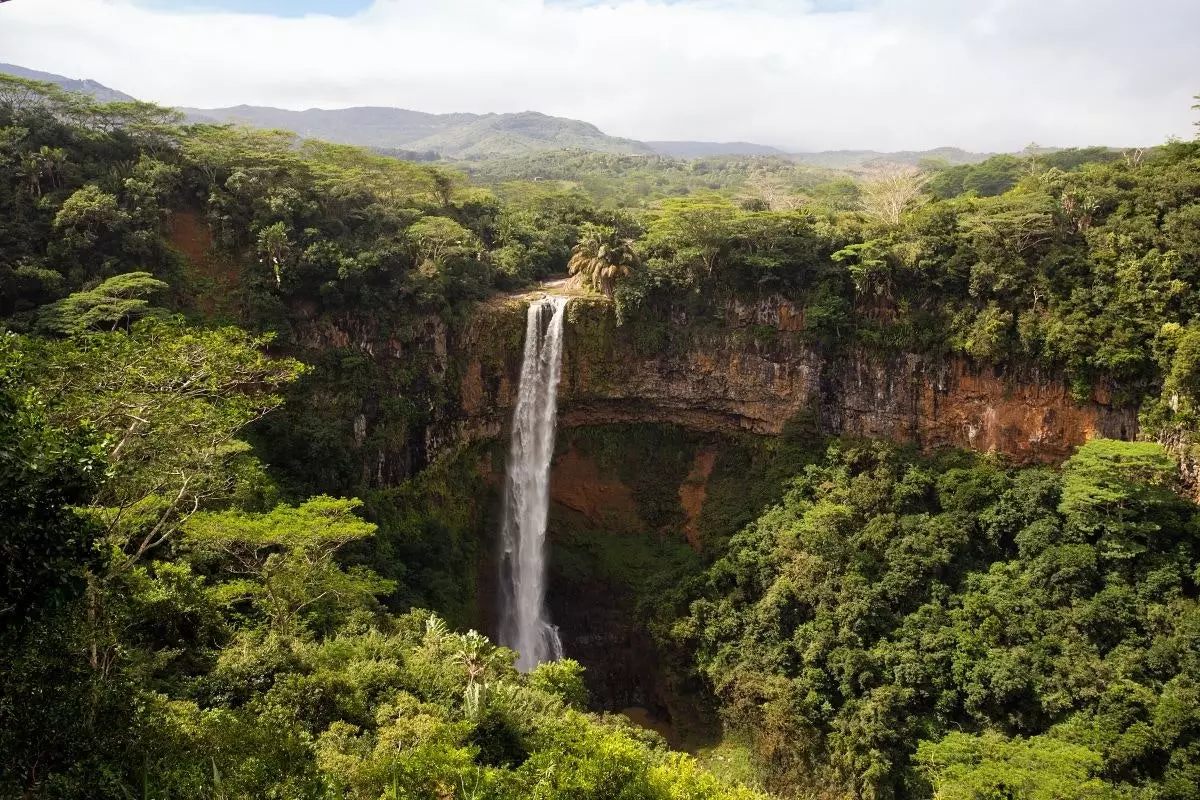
(465, 136)
(84, 86)
(455, 135)
(700, 149)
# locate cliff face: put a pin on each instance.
(388, 393)
(755, 371)
(751, 369)
(628, 504)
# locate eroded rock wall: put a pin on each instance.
(755, 371)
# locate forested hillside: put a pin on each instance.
(451, 136)
(176, 621)
(244, 549)
(898, 625)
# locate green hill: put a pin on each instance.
(84, 86)
(465, 136)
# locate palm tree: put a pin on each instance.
(602, 258)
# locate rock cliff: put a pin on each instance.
(750, 368)
(754, 370)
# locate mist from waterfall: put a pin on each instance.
(525, 624)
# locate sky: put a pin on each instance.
(985, 75)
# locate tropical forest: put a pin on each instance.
(510, 460)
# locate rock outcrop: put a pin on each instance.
(756, 371)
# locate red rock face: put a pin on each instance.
(577, 483)
(694, 491)
(219, 276)
(727, 381)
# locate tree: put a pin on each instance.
(1117, 492)
(274, 246)
(995, 176)
(20, 94)
(44, 169)
(869, 267)
(341, 167)
(284, 561)
(438, 240)
(563, 679)
(699, 229)
(170, 402)
(602, 257)
(87, 212)
(1012, 224)
(45, 473)
(445, 184)
(964, 767)
(116, 302)
(91, 229)
(989, 335)
(774, 193)
(889, 191)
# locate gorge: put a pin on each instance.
(661, 448)
(708, 393)
(755, 369)
(654, 430)
(313, 468)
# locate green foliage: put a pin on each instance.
(116, 302)
(602, 259)
(890, 600)
(1121, 494)
(47, 553)
(618, 181)
(428, 536)
(45, 472)
(170, 402)
(964, 767)
(285, 560)
(439, 239)
(410, 710)
(699, 230)
(562, 679)
(998, 174)
(252, 659)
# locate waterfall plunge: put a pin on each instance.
(525, 625)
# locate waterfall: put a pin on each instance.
(525, 625)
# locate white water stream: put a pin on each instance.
(525, 624)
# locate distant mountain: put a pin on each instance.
(368, 126)
(416, 135)
(709, 149)
(857, 160)
(457, 136)
(97, 90)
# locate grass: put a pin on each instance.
(730, 760)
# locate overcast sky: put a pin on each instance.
(802, 74)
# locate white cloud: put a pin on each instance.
(894, 74)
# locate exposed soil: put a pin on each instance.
(576, 483)
(694, 491)
(214, 279)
